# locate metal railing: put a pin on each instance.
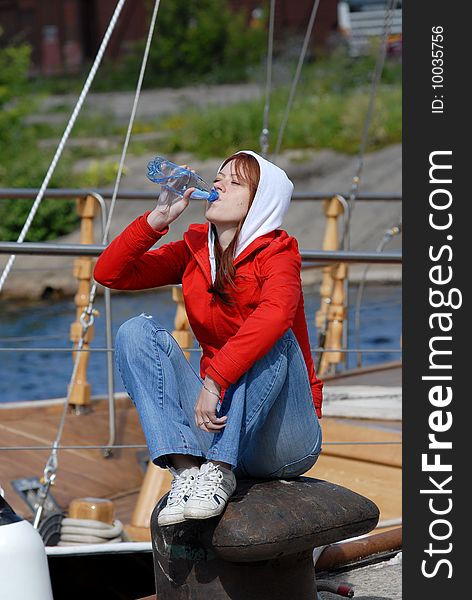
(65, 249)
(18, 248)
(50, 249)
(6, 193)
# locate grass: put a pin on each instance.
(328, 112)
(327, 120)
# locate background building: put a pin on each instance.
(65, 34)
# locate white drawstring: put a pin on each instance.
(211, 252)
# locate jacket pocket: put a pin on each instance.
(248, 290)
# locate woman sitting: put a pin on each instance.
(253, 410)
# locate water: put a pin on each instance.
(45, 374)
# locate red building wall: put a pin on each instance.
(66, 33)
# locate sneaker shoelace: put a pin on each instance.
(180, 486)
(207, 482)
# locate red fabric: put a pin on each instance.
(269, 299)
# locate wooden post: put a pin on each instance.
(182, 332)
(332, 209)
(330, 316)
(157, 481)
(336, 316)
(83, 268)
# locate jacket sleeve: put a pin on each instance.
(274, 315)
(127, 263)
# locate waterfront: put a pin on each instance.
(45, 374)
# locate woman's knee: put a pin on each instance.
(285, 342)
(135, 333)
(297, 467)
(128, 332)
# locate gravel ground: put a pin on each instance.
(381, 581)
(152, 103)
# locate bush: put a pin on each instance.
(328, 112)
(195, 41)
(14, 64)
(23, 164)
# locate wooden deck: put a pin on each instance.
(371, 470)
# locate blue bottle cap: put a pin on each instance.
(213, 195)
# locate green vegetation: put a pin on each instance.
(24, 163)
(328, 112)
(195, 41)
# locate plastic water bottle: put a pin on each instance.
(176, 180)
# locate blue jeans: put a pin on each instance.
(272, 429)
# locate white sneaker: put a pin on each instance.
(212, 490)
(180, 490)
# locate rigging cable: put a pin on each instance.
(296, 77)
(264, 137)
(64, 138)
(391, 5)
(88, 314)
(389, 234)
(345, 240)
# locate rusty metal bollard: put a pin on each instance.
(261, 547)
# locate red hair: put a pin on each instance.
(248, 172)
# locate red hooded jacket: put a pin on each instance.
(269, 297)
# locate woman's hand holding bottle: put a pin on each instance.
(163, 214)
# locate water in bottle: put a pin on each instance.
(176, 180)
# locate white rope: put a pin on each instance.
(298, 71)
(64, 139)
(88, 531)
(388, 523)
(152, 25)
(131, 120)
(87, 316)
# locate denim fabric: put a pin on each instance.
(272, 429)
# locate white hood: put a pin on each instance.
(268, 208)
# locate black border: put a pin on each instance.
(423, 133)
